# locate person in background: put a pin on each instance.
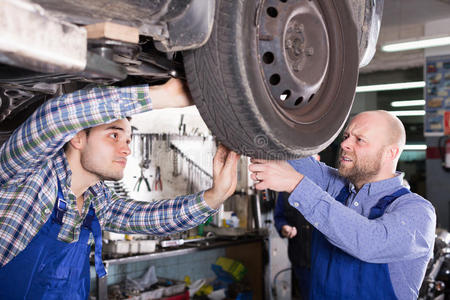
(291, 224)
(54, 203)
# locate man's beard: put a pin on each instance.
(363, 169)
(101, 172)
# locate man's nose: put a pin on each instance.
(346, 144)
(125, 149)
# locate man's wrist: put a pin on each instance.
(297, 179)
(157, 94)
(212, 199)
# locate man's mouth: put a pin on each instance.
(345, 159)
(122, 162)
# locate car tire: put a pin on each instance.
(277, 78)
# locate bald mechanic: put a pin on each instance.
(52, 195)
(373, 238)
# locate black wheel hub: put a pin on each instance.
(302, 52)
(294, 47)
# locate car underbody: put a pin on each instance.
(270, 78)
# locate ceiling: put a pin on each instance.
(405, 19)
(402, 19)
(407, 12)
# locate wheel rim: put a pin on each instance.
(301, 51)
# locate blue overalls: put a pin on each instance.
(338, 275)
(51, 269)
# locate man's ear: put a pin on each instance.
(393, 152)
(79, 140)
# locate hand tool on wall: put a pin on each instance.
(189, 186)
(158, 180)
(180, 127)
(176, 168)
(141, 178)
(144, 164)
(196, 175)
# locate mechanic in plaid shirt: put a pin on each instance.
(52, 194)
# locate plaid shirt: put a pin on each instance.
(32, 160)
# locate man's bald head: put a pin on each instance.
(371, 147)
(393, 129)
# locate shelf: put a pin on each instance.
(182, 250)
(187, 248)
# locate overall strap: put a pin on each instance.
(378, 210)
(91, 222)
(60, 205)
(343, 195)
(89, 217)
(335, 274)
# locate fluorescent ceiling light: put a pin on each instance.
(407, 113)
(415, 147)
(405, 103)
(390, 86)
(425, 42)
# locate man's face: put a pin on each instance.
(106, 150)
(362, 149)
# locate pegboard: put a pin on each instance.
(185, 164)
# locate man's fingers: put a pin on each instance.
(221, 154)
(262, 185)
(287, 231)
(231, 161)
(294, 232)
(226, 160)
(219, 159)
(259, 160)
(259, 167)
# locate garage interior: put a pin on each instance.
(238, 253)
(423, 167)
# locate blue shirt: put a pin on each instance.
(403, 237)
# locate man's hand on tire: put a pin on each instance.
(276, 175)
(172, 94)
(224, 177)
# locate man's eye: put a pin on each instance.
(114, 135)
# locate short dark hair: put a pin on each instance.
(88, 130)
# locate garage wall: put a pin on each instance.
(195, 141)
(437, 179)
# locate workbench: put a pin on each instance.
(251, 250)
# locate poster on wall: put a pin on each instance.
(437, 97)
